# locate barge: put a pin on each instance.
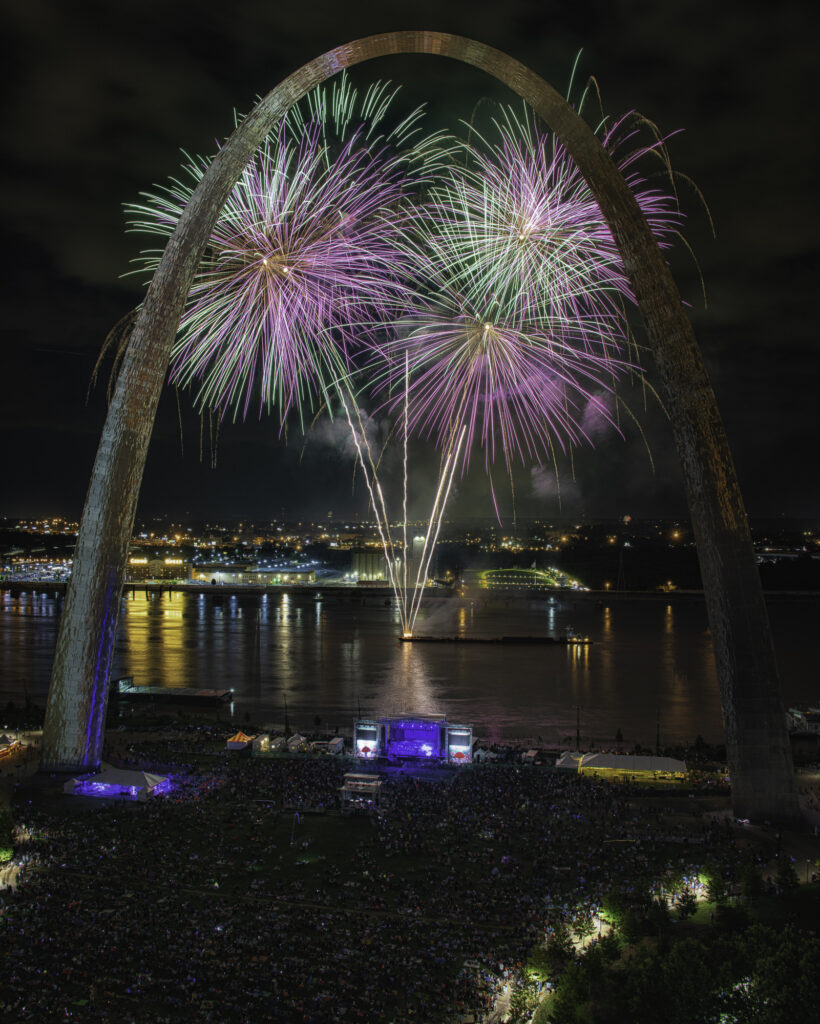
(124, 689)
(554, 641)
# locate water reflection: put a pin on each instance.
(329, 655)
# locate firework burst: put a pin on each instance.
(525, 324)
(516, 218)
(303, 265)
(518, 383)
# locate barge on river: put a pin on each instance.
(555, 641)
(124, 689)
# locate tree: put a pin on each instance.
(559, 949)
(717, 891)
(777, 977)
(787, 880)
(630, 927)
(6, 835)
(687, 904)
(751, 882)
(657, 917)
(582, 926)
(730, 918)
(539, 963)
(609, 948)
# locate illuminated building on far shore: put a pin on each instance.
(252, 575)
(141, 569)
(522, 579)
(369, 565)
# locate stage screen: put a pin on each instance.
(414, 738)
(367, 739)
(459, 745)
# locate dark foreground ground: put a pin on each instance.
(246, 896)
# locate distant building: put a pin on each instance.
(523, 579)
(369, 565)
(251, 575)
(141, 569)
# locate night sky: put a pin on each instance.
(102, 97)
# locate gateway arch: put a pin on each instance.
(757, 741)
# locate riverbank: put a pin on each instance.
(347, 591)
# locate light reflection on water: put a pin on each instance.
(329, 654)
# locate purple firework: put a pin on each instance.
(518, 384)
(303, 264)
(525, 323)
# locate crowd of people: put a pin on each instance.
(217, 904)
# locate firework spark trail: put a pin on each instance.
(407, 614)
(405, 439)
(379, 508)
(446, 477)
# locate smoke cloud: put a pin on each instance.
(336, 434)
(547, 486)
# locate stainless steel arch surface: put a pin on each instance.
(757, 741)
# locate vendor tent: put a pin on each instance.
(261, 744)
(239, 741)
(607, 764)
(118, 782)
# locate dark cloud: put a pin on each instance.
(103, 96)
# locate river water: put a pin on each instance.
(331, 654)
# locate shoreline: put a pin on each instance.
(350, 591)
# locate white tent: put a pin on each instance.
(336, 745)
(117, 782)
(261, 743)
(296, 742)
(569, 760)
(632, 763)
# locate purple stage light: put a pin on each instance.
(414, 738)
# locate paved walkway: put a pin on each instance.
(501, 1009)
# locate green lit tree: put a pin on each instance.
(687, 904)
